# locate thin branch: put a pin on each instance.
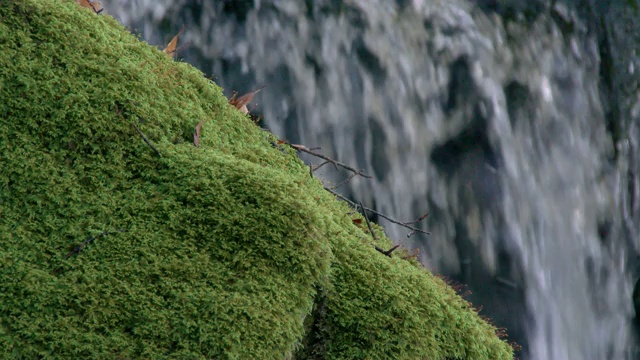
(324, 157)
(380, 250)
(422, 217)
(344, 181)
(146, 140)
(181, 47)
(388, 252)
(79, 248)
(316, 167)
(366, 218)
(406, 225)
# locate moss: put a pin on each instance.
(229, 250)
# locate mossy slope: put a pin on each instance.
(219, 251)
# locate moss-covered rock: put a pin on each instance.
(228, 250)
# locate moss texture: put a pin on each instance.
(226, 251)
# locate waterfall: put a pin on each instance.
(498, 126)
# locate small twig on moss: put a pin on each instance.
(324, 157)
(96, 10)
(146, 140)
(388, 252)
(79, 248)
(366, 218)
(406, 225)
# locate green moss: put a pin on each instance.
(229, 250)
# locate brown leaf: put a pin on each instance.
(357, 221)
(196, 134)
(244, 100)
(424, 216)
(171, 48)
(96, 6)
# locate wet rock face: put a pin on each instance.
(514, 123)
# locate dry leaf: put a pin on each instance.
(422, 217)
(357, 221)
(196, 134)
(244, 100)
(96, 6)
(171, 48)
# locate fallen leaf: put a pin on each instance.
(196, 134)
(357, 221)
(171, 48)
(96, 6)
(244, 100)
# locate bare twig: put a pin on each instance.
(406, 225)
(79, 248)
(366, 218)
(422, 217)
(146, 140)
(316, 167)
(324, 157)
(388, 252)
(344, 181)
(355, 172)
(182, 47)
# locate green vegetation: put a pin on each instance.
(226, 251)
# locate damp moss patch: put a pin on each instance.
(120, 239)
